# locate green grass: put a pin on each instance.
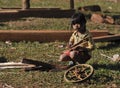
(33, 23)
(106, 73)
(36, 23)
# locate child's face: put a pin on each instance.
(76, 26)
(79, 27)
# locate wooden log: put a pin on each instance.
(97, 33)
(36, 63)
(93, 8)
(39, 65)
(43, 66)
(41, 36)
(35, 12)
(107, 38)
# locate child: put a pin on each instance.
(80, 44)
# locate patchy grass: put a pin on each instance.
(36, 23)
(33, 23)
(106, 73)
(63, 4)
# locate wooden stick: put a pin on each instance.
(15, 65)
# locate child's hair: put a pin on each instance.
(78, 18)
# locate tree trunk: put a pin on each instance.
(25, 4)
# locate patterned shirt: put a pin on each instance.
(86, 38)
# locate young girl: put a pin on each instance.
(80, 44)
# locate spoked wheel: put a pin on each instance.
(78, 73)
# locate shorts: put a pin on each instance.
(67, 52)
(81, 57)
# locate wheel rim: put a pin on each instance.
(78, 73)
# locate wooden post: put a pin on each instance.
(25, 4)
(71, 4)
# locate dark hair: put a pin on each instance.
(78, 18)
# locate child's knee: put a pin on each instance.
(64, 57)
(73, 54)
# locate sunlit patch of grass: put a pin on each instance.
(33, 23)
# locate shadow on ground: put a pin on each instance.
(111, 66)
(110, 45)
(3, 59)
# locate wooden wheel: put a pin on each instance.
(78, 73)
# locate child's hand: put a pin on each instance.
(68, 46)
(82, 49)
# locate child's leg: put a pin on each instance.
(83, 57)
(64, 57)
(73, 55)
